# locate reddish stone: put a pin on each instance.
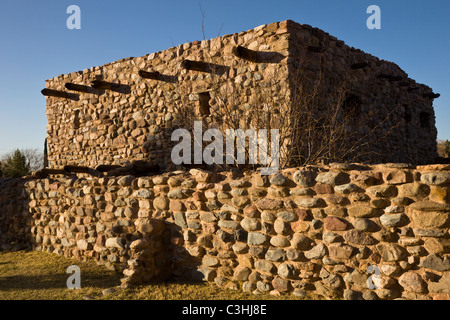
(303, 214)
(251, 212)
(280, 284)
(209, 227)
(323, 188)
(100, 240)
(269, 204)
(176, 206)
(107, 216)
(335, 223)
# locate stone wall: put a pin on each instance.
(305, 230)
(134, 118)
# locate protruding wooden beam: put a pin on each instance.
(359, 65)
(204, 67)
(59, 94)
(82, 88)
(246, 54)
(155, 75)
(102, 85)
(431, 95)
(196, 65)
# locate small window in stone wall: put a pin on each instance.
(425, 119)
(76, 119)
(203, 104)
(352, 106)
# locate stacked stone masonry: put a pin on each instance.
(315, 229)
(133, 118)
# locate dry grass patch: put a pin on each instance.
(34, 275)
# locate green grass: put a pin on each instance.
(34, 275)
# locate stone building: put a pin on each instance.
(126, 110)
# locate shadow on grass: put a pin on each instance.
(57, 281)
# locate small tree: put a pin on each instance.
(16, 166)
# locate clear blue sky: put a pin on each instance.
(36, 45)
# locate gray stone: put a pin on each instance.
(317, 252)
(180, 219)
(287, 216)
(436, 178)
(391, 252)
(208, 217)
(210, 261)
(263, 286)
(369, 295)
(286, 270)
(347, 188)
(125, 181)
(430, 206)
(333, 178)
(242, 273)
(442, 286)
(304, 178)
(352, 295)
(280, 241)
(434, 262)
(256, 238)
(382, 191)
(240, 248)
(365, 225)
(116, 242)
(330, 237)
(281, 227)
(275, 255)
(310, 202)
(279, 180)
(250, 224)
(264, 266)
(228, 224)
(301, 242)
(248, 286)
(193, 224)
(143, 193)
(435, 233)
(179, 193)
(394, 220)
